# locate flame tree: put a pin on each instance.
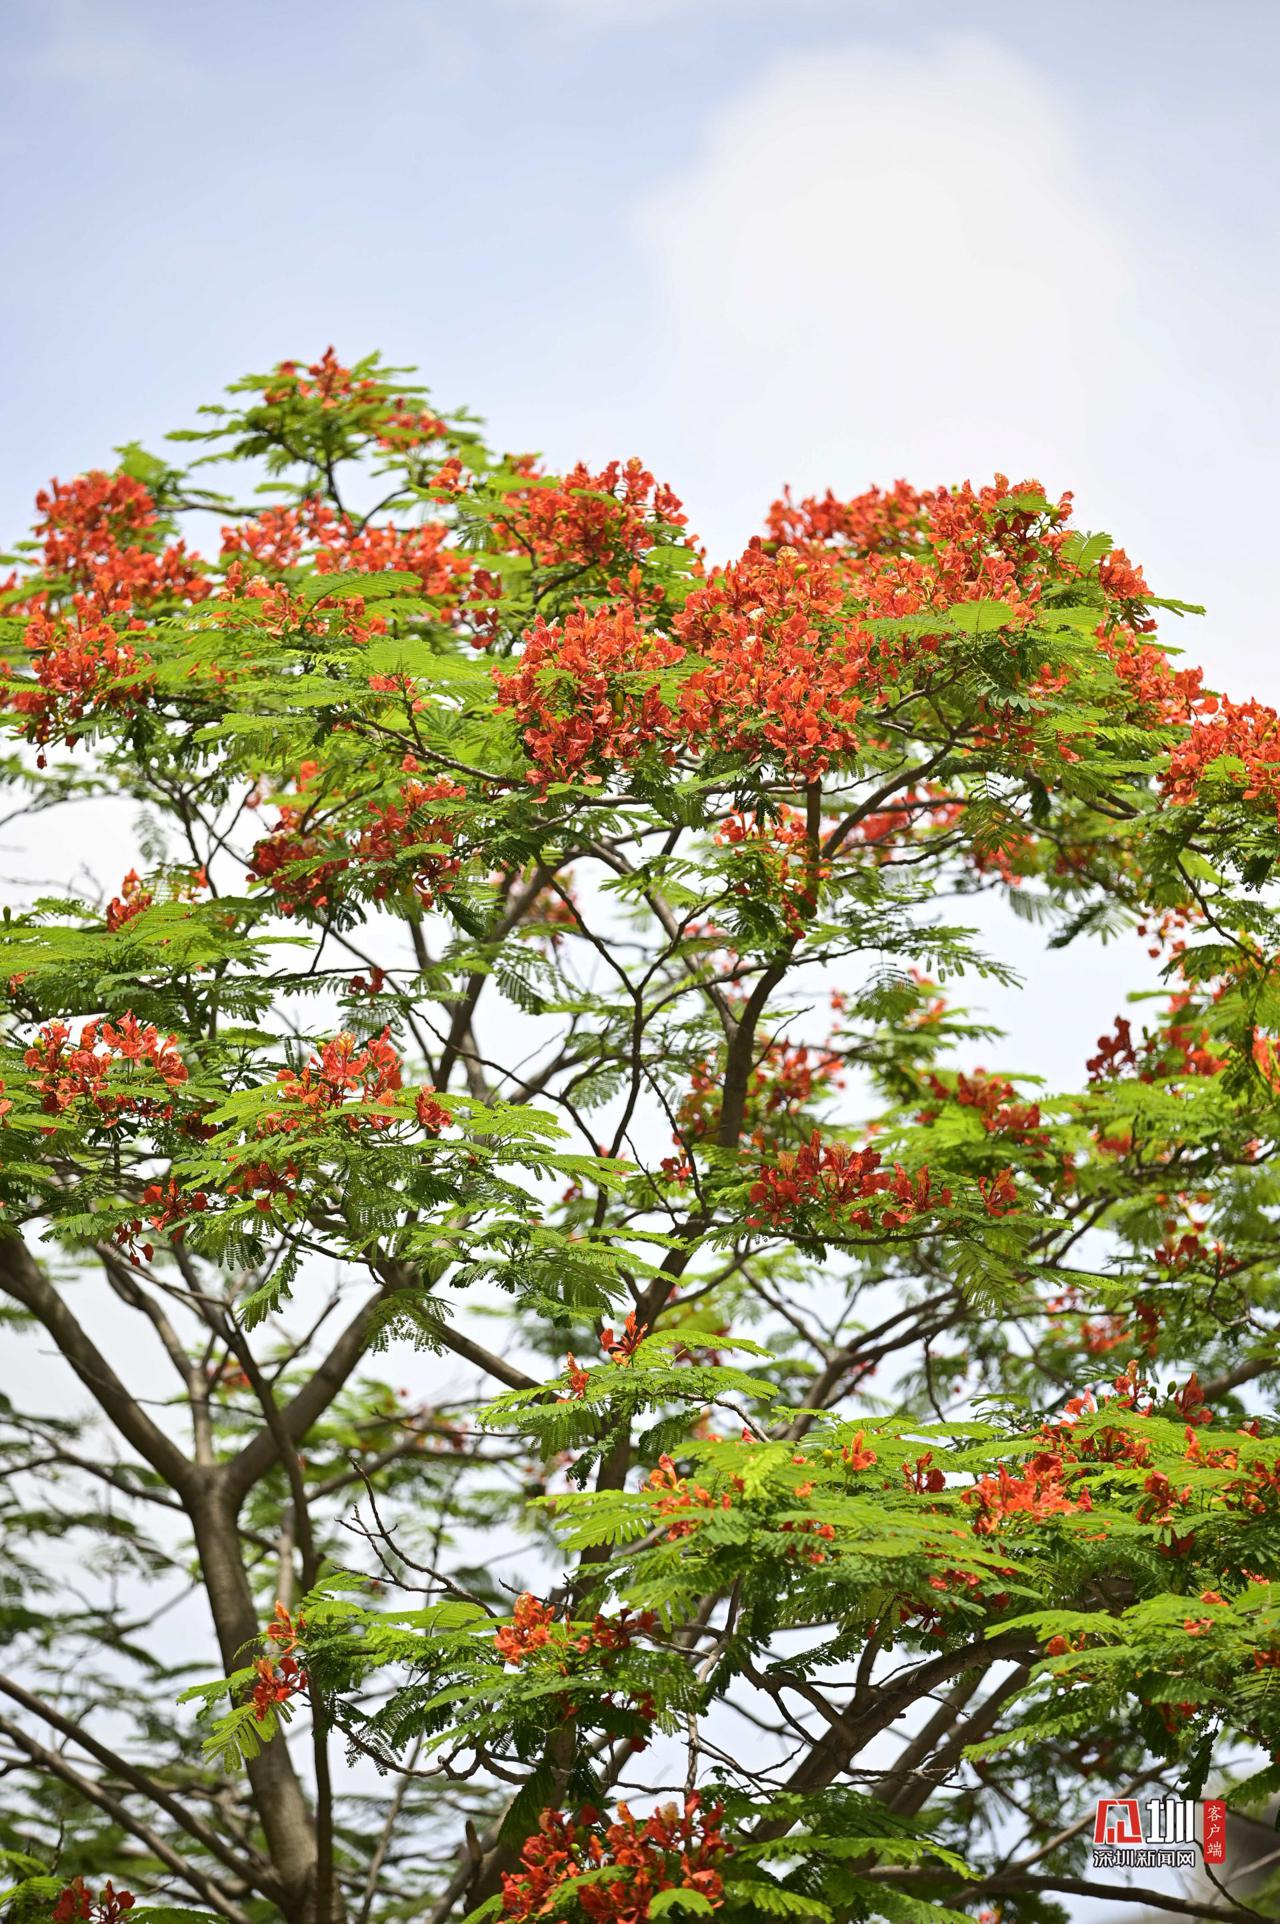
(848, 1462)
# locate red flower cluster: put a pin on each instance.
(677, 1495)
(670, 1850)
(285, 1630)
(301, 864)
(338, 544)
(1190, 1250)
(984, 547)
(958, 1587)
(84, 1072)
(76, 1904)
(104, 558)
(391, 419)
(430, 1114)
(408, 821)
(1256, 1491)
(279, 1676)
(1115, 1052)
(297, 868)
(1161, 1499)
(342, 1069)
(1036, 1494)
(904, 552)
(1160, 692)
(529, 1630)
(1052, 1481)
(1122, 581)
(276, 1684)
(795, 871)
(782, 666)
(1176, 1050)
(99, 535)
(168, 1204)
(78, 666)
(874, 522)
(832, 1179)
(828, 1175)
(410, 426)
(923, 1476)
(996, 1103)
(132, 900)
(615, 1633)
(263, 1184)
(533, 1627)
(588, 520)
(585, 694)
(621, 1349)
(1247, 732)
(279, 613)
(417, 551)
(999, 1193)
(907, 553)
(778, 674)
(325, 380)
(783, 670)
(277, 536)
(164, 1204)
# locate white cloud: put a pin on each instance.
(885, 263)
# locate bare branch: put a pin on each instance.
(213, 1893)
(22, 1279)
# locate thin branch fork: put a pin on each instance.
(215, 1894)
(249, 1869)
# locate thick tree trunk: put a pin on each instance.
(287, 1820)
(211, 1496)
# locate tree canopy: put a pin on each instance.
(556, 949)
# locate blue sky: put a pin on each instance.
(819, 241)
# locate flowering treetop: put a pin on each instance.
(536, 921)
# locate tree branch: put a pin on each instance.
(249, 1870)
(49, 1761)
(22, 1279)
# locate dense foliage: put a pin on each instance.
(545, 945)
